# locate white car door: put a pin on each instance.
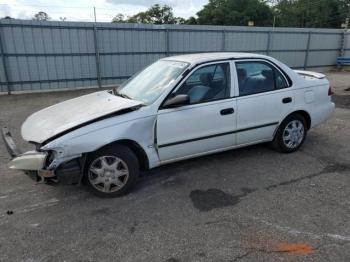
(264, 98)
(207, 123)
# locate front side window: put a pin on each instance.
(257, 77)
(151, 82)
(208, 83)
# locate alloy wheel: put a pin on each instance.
(293, 134)
(108, 174)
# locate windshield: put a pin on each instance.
(151, 82)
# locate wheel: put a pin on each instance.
(291, 134)
(111, 171)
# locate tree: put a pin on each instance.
(309, 13)
(286, 13)
(119, 18)
(156, 14)
(7, 17)
(236, 12)
(41, 16)
(191, 21)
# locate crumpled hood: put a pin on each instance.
(58, 118)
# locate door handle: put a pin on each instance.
(227, 111)
(286, 100)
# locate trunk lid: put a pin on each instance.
(58, 118)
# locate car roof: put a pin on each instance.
(208, 57)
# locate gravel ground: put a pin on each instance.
(251, 204)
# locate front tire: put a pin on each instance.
(111, 171)
(291, 134)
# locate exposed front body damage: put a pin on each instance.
(67, 133)
(62, 137)
(93, 137)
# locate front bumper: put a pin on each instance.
(9, 143)
(30, 160)
(33, 164)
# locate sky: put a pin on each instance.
(82, 10)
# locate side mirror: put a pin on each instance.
(178, 100)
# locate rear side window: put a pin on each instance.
(258, 77)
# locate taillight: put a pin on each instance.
(330, 92)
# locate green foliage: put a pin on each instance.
(41, 16)
(311, 13)
(119, 18)
(285, 13)
(156, 14)
(235, 12)
(191, 21)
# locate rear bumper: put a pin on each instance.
(33, 163)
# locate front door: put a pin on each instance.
(205, 125)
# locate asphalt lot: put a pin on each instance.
(251, 204)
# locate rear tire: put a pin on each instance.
(111, 171)
(290, 135)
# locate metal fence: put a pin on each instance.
(67, 55)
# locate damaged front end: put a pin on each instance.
(38, 164)
(58, 161)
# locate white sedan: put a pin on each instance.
(177, 108)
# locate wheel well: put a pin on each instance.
(137, 149)
(305, 115)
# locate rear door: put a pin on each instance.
(264, 98)
(208, 123)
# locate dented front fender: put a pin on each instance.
(134, 126)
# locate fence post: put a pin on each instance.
(223, 47)
(97, 55)
(167, 42)
(2, 55)
(307, 50)
(343, 45)
(343, 42)
(344, 37)
(269, 36)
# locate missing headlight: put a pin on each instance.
(50, 157)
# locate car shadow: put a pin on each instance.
(170, 172)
